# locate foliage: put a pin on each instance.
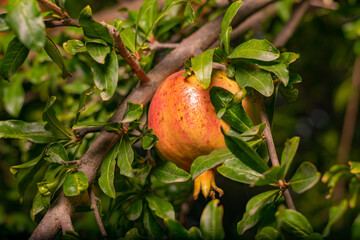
(56, 86)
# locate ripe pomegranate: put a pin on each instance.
(184, 119)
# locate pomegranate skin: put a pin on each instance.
(184, 119)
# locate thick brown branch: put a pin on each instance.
(92, 159)
(94, 200)
(53, 7)
(290, 26)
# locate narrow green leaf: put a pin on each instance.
(151, 226)
(294, 223)
(256, 209)
(249, 75)
(125, 157)
(279, 69)
(257, 49)
(147, 15)
(135, 210)
(305, 177)
(168, 172)
(39, 203)
(98, 51)
(73, 47)
(24, 18)
(202, 66)
(246, 154)
(34, 132)
(354, 190)
(189, 13)
(288, 154)
(54, 53)
(15, 169)
(355, 228)
(128, 37)
(92, 28)
(13, 96)
(133, 112)
(14, 57)
(335, 213)
(105, 75)
(238, 171)
(56, 154)
(225, 30)
(160, 207)
(149, 140)
(107, 170)
(288, 57)
(211, 221)
(206, 162)
(52, 122)
(75, 184)
(268, 233)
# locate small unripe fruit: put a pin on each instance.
(184, 119)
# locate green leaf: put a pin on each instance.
(272, 176)
(54, 53)
(161, 208)
(15, 169)
(238, 171)
(202, 66)
(24, 18)
(147, 15)
(246, 154)
(294, 223)
(52, 181)
(249, 75)
(305, 177)
(257, 49)
(177, 231)
(56, 154)
(105, 75)
(256, 209)
(225, 30)
(355, 228)
(279, 69)
(189, 13)
(290, 95)
(52, 122)
(288, 154)
(135, 210)
(125, 157)
(14, 57)
(73, 47)
(133, 112)
(128, 37)
(98, 51)
(40, 202)
(168, 172)
(4, 27)
(92, 28)
(268, 233)
(234, 115)
(149, 140)
(211, 221)
(133, 234)
(288, 57)
(151, 226)
(75, 184)
(34, 132)
(354, 167)
(13, 96)
(106, 179)
(354, 190)
(335, 213)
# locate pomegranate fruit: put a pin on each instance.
(184, 119)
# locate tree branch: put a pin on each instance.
(290, 26)
(81, 132)
(53, 23)
(94, 200)
(142, 93)
(53, 7)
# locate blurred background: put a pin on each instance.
(328, 41)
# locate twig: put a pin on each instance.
(81, 132)
(119, 44)
(290, 26)
(52, 23)
(158, 45)
(53, 7)
(92, 159)
(322, 4)
(94, 200)
(271, 146)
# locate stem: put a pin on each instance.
(53, 23)
(158, 45)
(83, 131)
(94, 200)
(54, 8)
(271, 146)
